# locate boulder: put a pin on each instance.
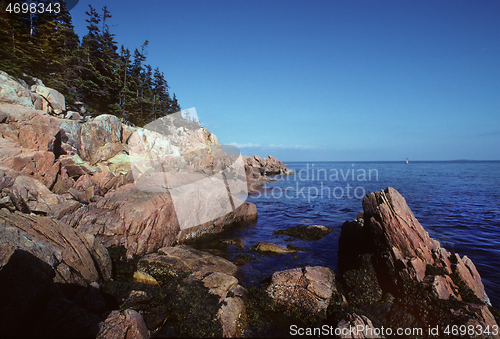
(154, 223)
(387, 247)
(42, 133)
(74, 257)
(13, 92)
(183, 258)
(40, 165)
(308, 288)
(55, 101)
(274, 248)
(97, 133)
(401, 245)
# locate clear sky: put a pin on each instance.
(327, 80)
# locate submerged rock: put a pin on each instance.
(312, 232)
(273, 248)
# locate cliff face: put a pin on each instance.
(143, 188)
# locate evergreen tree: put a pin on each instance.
(45, 45)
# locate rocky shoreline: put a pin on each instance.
(89, 250)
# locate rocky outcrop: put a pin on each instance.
(308, 288)
(259, 169)
(152, 225)
(76, 258)
(387, 240)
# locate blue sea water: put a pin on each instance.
(458, 203)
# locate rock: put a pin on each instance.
(238, 242)
(274, 248)
(41, 165)
(153, 224)
(29, 295)
(144, 278)
(257, 169)
(108, 151)
(215, 273)
(388, 249)
(98, 132)
(154, 317)
(123, 325)
(72, 115)
(12, 92)
(442, 287)
(135, 298)
(353, 321)
(55, 101)
(34, 194)
(75, 166)
(312, 232)
(74, 257)
(183, 258)
(309, 288)
(42, 133)
(401, 245)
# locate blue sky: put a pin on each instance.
(328, 80)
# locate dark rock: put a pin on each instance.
(312, 232)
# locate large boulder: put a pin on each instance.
(54, 101)
(75, 258)
(13, 92)
(388, 241)
(97, 133)
(389, 229)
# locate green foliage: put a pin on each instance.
(45, 46)
(304, 233)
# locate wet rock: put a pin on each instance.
(183, 258)
(144, 278)
(312, 232)
(274, 248)
(309, 288)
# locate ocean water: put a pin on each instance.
(458, 203)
